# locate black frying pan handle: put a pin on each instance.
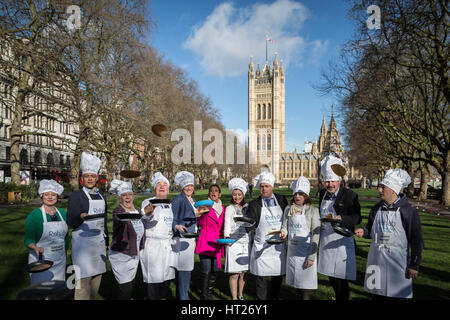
(40, 256)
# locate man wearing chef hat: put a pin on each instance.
(394, 227)
(86, 214)
(267, 260)
(336, 252)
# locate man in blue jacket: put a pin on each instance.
(396, 249)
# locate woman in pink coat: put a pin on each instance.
(210, 252)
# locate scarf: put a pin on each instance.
(295, 209)
(217, 206)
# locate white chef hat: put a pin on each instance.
(184, 178)
(119, 187)
(264, 177)
(50, 186)
(89, 163)
(237, 183)
(301, 185)
(325, 168)
(158, 177)
(396, 179)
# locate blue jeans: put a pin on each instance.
(184, 279)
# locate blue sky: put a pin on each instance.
(213, 40)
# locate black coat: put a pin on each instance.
(347, 206)
(255, 206)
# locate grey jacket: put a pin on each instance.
(312, 216)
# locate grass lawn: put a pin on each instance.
(433, 281)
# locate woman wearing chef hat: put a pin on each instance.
(46, 233)
(155, 257)
(337, 252)
(301, 223)
(267, 260)
(238, 253)
(86, 214)
(396, 249)
(184, 220)
(127, 239)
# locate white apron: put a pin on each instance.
(388, 257)
(157, 252)
(298, 251)
(124, 266)
(336, 253)
(52, 240)
(182, 257)
(88, 242)
(238, 253)
(268, 259)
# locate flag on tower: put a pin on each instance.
(268, 38)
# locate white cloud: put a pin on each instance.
(230, 35)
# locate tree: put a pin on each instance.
(397, 77)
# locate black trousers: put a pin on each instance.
(340, 287)
(268, 288)
(126, 290)
(158, 291)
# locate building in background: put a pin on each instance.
(46, 150)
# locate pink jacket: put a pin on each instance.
(211, 229)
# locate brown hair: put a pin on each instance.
(305, 196)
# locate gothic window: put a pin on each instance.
(269, 142)
(264, 111)
(50, 159)
(259, 112)
(269, 112)
(264, 142)
(258, 143)
(37, 157)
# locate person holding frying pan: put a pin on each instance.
(210, 252)
(337, 258)
(127, 239)
(86, 214)
(184, 221)
(46, 233)
(155, 257)
(301, 224)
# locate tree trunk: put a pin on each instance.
(16, 131)
(446, 182)
(75, 165)
(424, 178)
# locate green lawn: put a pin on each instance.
(433, 281)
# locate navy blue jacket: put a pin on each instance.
(78, 204)
(411, 225)
(183, 214)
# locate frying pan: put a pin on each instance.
(249, 222)
(159, 128)
(331, 220)
(225, 241)
(160, 201)
(129, 216)
(343, 231)
(275, 240)
(208, 203)
(130, 174)
(274, 233)
(39, 266)
(338, 169)
(94, 216)
(190, 235)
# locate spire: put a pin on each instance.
(323, 128)
(275, 61)
(258, 72)
(332, 117)
(251, 66)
